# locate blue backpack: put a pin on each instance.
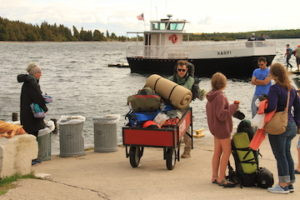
(138, 118)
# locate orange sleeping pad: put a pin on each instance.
(8, 130)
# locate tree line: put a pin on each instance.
(274, 34)
(20, 31)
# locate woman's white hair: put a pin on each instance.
(33, 69)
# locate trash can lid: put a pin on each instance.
(64, 119)
(48, 129)
(107, 119)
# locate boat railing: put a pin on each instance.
(157, 51)
(188, 48)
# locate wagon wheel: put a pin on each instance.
(170, 158)
(135, 154)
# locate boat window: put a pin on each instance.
(155, 26)
(176, 26)
(162, 26)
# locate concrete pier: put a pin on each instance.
(109, 176)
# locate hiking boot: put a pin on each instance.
(186, 153)
(279, 190)
(291, 188)
(188, 146)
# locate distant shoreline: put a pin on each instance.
(127, 41)
(12, 31)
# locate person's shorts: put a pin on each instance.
(298, 60)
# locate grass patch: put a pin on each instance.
(8, 182)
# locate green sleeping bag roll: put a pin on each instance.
(241, 143)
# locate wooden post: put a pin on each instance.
(14, 117)
(55, 124)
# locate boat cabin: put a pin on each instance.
(164, 32)
(163, 40)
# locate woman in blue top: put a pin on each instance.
(281, 144)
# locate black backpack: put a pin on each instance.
(264, 178)
(245, 126)
(196, 89)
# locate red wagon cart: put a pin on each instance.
(135, 139)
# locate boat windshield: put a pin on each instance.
(158, 26)
(162, 26)
(176, 26)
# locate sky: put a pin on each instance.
(120, 16)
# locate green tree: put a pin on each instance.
(98, 36)
(76, 34)
(107, 34)
(113, 36)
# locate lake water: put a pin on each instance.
(76, 75)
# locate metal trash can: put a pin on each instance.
(44, 145)
(105, 133)
(71, 141)
(44, 141)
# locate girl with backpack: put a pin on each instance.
(219, 118)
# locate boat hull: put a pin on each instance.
(234, 67)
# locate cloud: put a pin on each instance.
(205, 21)
(120, 16)
(89, 13)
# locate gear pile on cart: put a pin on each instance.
(159, 117)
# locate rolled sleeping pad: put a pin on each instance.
(257, 139)
(179, 96)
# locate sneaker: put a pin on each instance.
(279, 190)
(35, 161)
(291, 188)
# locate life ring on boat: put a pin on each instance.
(173, 38)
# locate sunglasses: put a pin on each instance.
(181, 70)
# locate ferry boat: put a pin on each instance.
(164, 45)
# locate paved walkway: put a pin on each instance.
(110, 176)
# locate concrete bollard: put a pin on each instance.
(16, 154)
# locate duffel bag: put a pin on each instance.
(144, 103)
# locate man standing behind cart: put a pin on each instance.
(182, 76)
